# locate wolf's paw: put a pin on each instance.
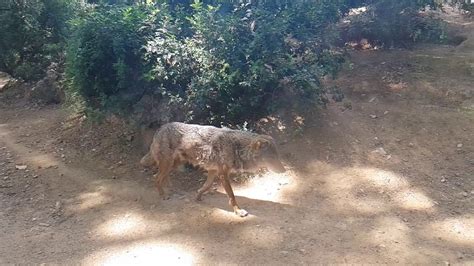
(241, 212)
(198, 197)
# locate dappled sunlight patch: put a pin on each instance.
(371, 190)
(381, 178)
(368, 204)
(412, 199)
(89, 200)
(459, 230)
(123, 225)
(391, 235)
(3, 130)
(142, 253)
(269, 186)
(224, 216)
(44, 161)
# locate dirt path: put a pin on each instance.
(385, 177)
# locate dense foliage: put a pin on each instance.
(32, 35)
(396, 23)
(218, 61)
(218, 65)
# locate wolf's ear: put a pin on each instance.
(259, 144)
(256, 145)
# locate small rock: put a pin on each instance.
(21, 167)
(5, 178)
(443, 180)
(459, 145)
(465, 194)
(372, 99)
(472, 192)
(380, 151)
(373, 116)
(385, 113)
(44, 224)
(63, 156)
(411, 144)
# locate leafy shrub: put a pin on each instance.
(396, 23)
(32, 35)
(225, 63)
(220, 65)
(103, 56)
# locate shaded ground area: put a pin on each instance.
(384, 177)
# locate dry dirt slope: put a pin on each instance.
(386, 177)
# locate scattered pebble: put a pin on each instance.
(385, 113)
(373, 116)
(21, 167)
(443, 180)
(465, 194)
(411, 144)
(459, 145)
(380, 151)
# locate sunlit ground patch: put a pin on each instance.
(459, 230)
(143, 253)
(90, 200)
(43, 161)
(412, 199)
(371, 190)
(269, 187)
(381, 178)
(123, 225)
(3, 130)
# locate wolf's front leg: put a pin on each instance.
(211, 175)
(232, 202)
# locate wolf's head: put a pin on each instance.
(266, 154)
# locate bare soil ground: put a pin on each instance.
(387, 176)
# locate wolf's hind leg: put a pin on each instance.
(162, 178)
(232, 202)
(211, 175)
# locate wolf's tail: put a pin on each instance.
(147, 160)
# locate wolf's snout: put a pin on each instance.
(277, 167)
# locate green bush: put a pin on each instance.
(32, 35)
(227, 63)
(396, 23)
(220, 65)
(103, 55)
